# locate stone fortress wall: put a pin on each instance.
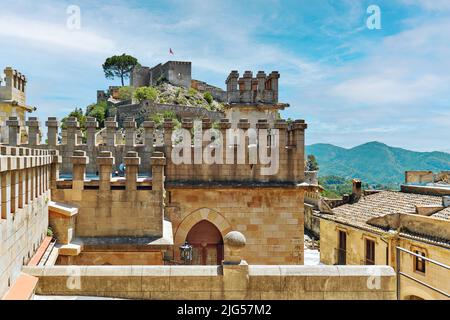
(25, 218)
(177, 73)
(290, 149)
(232, 195)
(248, 89)
(126, 207)
(26, 178)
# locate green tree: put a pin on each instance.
(125, 93)
(119, 66)
(311, 163)
(98, 111)
(146, 93)
(77, 113)
(159, 117)
(208, 97)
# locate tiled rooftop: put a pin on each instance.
(382, 203)
(443, 214)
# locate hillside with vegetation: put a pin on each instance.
(375, 163)
(167, 93)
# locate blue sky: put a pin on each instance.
(351, 84)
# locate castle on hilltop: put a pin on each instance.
(247, 97)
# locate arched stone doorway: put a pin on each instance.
(207, 244)
(413, 297)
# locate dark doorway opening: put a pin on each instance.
(207, 244)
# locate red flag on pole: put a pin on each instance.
(170, 51)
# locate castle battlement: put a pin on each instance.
(197, 152)
(248, 89)
(14, 86)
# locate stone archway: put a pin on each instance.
(212, 216)
(414, 292)
(413, 297)
(206, 242)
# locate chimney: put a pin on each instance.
(356, 190)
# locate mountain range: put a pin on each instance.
(375, 162)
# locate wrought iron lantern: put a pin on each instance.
(186, 252)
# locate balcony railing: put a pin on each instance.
(400, 273)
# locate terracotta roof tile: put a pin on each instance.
(380, 204)
(443, 214)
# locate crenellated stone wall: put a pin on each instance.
(114, 207)
(26, 178)
(282, 142)
(247, 89)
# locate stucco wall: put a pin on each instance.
(355, 244)
(434, 275)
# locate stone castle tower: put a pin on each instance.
(13, 103)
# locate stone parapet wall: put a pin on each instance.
(26, 177)
(248, 282)
(114, 207)
(116, 212)
(248, 89)
(286, 148)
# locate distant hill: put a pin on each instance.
(375, 162)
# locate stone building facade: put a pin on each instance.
(369, 229)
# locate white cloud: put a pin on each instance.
(410, 67)
(433, 5)
(53, 34)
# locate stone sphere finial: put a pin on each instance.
(235, 240)
(234, 243)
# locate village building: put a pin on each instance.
(394, 228)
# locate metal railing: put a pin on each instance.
(400, 273)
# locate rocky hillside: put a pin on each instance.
(170, 94)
